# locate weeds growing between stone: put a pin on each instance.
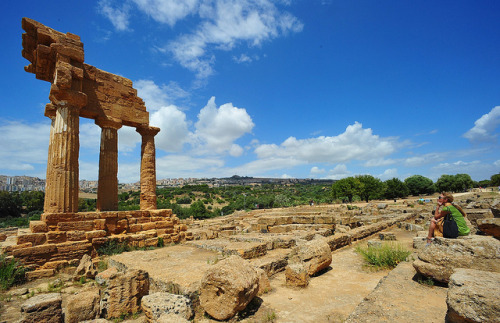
(11, 272)
(385, 256)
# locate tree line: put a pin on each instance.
(367, 187)
(202, 201)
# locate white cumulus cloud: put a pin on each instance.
(356, 143)
(484, 127)
(119, 17)
(24, 145)
(218, 128)
(167, 11)
(174, 128)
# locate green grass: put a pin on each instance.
(11, 272)
(386, 256)
(113, 247)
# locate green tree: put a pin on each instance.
(462, 182)
(346, 188)
(418, 184)
(10, 204)
(33, 200)
(370, 187)
(395, 188)
(495, 180)
(198, 210)
(445, 183)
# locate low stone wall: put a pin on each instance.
(63, 238)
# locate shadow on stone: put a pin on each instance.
(252, 308)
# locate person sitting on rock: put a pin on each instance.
(445, 206)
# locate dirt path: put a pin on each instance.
(334, 295)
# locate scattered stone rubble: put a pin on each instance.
(249, 243)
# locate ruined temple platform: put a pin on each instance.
(177, 269)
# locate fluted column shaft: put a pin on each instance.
(62, 167)
(107, 187)
(148, 168)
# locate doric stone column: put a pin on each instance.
(148, 167)
(107, 187)
(61, 189)
(48, 191)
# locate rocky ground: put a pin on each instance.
(346, 291)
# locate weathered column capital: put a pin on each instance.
(108, 123)
(148, 131)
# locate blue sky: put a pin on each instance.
(284, 88)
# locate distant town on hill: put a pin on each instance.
(27, 183)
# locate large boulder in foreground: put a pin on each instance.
(42, 308)
(122, 292)
(156, 304)
(473, 296)
(227, 287)
(315, 255)
(443, 256)
(82, 306)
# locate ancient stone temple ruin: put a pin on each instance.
(80, 90)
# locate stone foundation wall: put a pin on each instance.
(63, 238)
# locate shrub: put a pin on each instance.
(11, 272)
(112, 247)
(388, 255)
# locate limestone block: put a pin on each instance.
(473, 296)
(38, 226)
(148, 226)
(478, 214)
(9, 249)
(56, 236)
(72, 250)
(151, 242)
(132, 228)
(156, 304)
(164, 213)
(175, 220)
(149, 234)
(85, 268)
(182, 227)
(122, 292)
(296, 275)
(100, 224)
(443, 256)
(3, 236)
(143, 220)
(42, 308)
(76, 226)
(56, 265)
(131, 221)
(97, 242)
(490, 226)
(301, 219)
(43, 250)
(87, 216)
(76, 235)
(264, 284)
(36, 239)
(227, 287)
(82, 306)
(176, 238)
(41, 273)
(166, 238)
(55, 218)
(387, 236)
(89, 235)
(315, 255)
(324, 219)
(338, 240)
